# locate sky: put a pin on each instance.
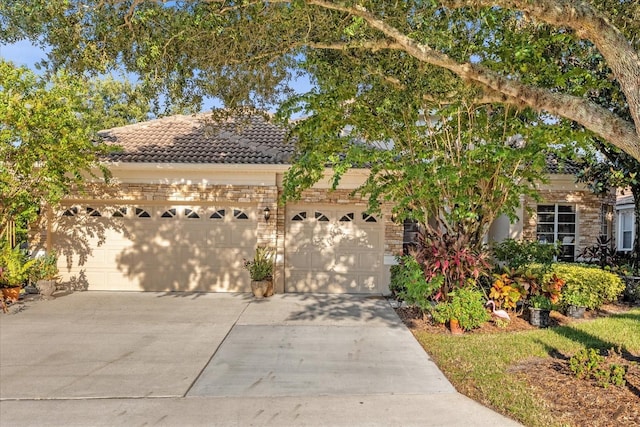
(22, 53)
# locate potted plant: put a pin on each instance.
(539, 310)
(261, 272)
(14, 271)
(45, 274)
(464, 307)
(575, 303)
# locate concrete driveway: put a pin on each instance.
(126, 359)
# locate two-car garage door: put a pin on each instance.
(157, 248)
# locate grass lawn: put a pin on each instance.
(481, 365)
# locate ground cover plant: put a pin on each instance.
(526, 373)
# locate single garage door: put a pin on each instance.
(157, 248)
(331, 249)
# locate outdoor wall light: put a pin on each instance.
(267, 214)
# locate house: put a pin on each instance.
(189, 201)
(625, 217)
(567, 212)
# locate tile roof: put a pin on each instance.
(197, 139)
(556, 165)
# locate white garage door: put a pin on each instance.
(157, 248)
(333, 250)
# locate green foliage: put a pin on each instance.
(45, 145)
(520, 253)
(421, 291)
(540, 301)
(598, 285)
(585, 362)
(44, 268)
(261, 267)
(246, 53)
(408, 283)
(589, 364)
(572, 297)
(14, 266)
(465, 304)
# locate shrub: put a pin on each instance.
(452, 257)
(408, 283)
(465, 304)
(506, 291)
(597, 285)
(520, 253)
(589, 364)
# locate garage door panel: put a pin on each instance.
(369, 261)
(243, 237)
(320, 261)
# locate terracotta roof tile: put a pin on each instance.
(196, 139)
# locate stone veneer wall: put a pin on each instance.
(588, 216)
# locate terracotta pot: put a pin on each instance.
(11, 294)
(260, 288)
(46, 288)
(454, 326)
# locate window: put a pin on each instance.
(347, 218)
(321, 217)
(299, 216)
(606, 214)
(141, 213)
(93, 212)
(238, 214)
(71, 212)
(626, 230)
(368, 218)
(191, 214)
(557, 223)
(170, 213)
(120, 213)
(219, 214)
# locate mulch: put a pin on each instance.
(571, 401)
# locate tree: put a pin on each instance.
(47, 135)
(515, 52)
(452, 167)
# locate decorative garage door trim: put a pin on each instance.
(169, 247)
(333, 249)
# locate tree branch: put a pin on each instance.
(598, 119)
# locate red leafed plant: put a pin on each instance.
(452, 257)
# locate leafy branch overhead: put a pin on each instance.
(540, 55)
